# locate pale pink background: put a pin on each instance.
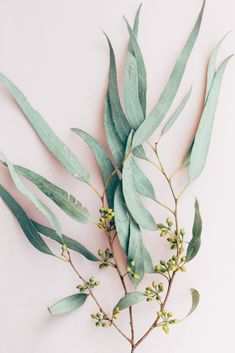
(56, 53)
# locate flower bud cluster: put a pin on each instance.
(106, 214)
(172, 265)
(101, 320)
(105, 257)
(166, 320)
(131, 270)
(91, 283)
(116, 312)
(154, 292)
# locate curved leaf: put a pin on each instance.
(25, 223)
(156, 116)
(140, 153)
(104, 163)
(122, 220)
(195, 243)
(68, 304)
(135, 251)
(148, 263)
(46, 134)
(130, 299)
(142, 183)
(195, 301)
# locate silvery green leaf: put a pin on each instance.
(186, 161)
(153, 120)
(122, 220)
(204, 131)
(139, 152)
(130, 299)
(195, 243)
(72, 244)
(119, 119)
(68, 203)
(148, 263)
(136, 208)
(142, 183)
(115, 145)
(37, 202)
(104, 163)
(177, 113)
(49, 138)
(135, 251)
(25, 223)
(195, 301)
(68, 304)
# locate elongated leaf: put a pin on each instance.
(177, 113)
(122, 220)
(154, 119)
(37, 203)
(148, 263)
(195, 243)
(25, 223)
(68, 304)
(104, 163)
(186, 160)
(49, 138)
(204, 131)
(138, 211)
(130, 299)
(120, 122)
(142, 183)
(195, 301)
(115, 145)
(71, 243)
(135, 251)
(68, 203)
(140, 153)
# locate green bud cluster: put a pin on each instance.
(106, 214)
(101, 320)
(105, 257)
(154, 292)
(91, 283)
(166, 320)
(172, 265)
(116, 312)
(131, 270)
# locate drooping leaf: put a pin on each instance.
(25, 223)
(156, 116)
(195, 301)
(122, 220)
(37, 202)
(195, 243)
(130, 299)
(70, 243)
(105, 165)
(68, 203)
(204, 131)
(46, 134)
(177, 113)
(142, 183)
(148, 263)
(135, 251)
(68, 304)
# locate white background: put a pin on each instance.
(56, 53)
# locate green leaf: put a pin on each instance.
(49, 138)
(25, 223)
(153, 120)
(122, 220)
(148, 263)
(68, 203)
(130, 299)
(135, 251)
(195, 301)
(177, 113)
(104, 163)
(204, 131)
(142, 183)
(37, 202)
(140, 153)
(119, 119)
(136, 208)
(71, 243)
(195, 243)
(68, 304)
(186, 161)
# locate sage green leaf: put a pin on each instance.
(140, 153)
(68, 304)
(136, 208)
(25, 223)
(130, 299)
(71, 243)
(49, 138)
(104, 163)
(68, 203)
(195, 301)
(116, 147)
(186, 160)
(119, 119)
(153, 120)
(37, 202)
(204, 131)
(122, 220)
(135, 251)
(177, 113)
(148, 263)
(142, 183)
(195, 243)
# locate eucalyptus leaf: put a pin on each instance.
(153, 120)
(130, 299)
(204, 131)
(68, 304)
(140, 153)
(46, 134)
(135, 251)
(195, 301)
(25, 223)
(142, 183)
(195, 243)
(122, 220)
(148, 262)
